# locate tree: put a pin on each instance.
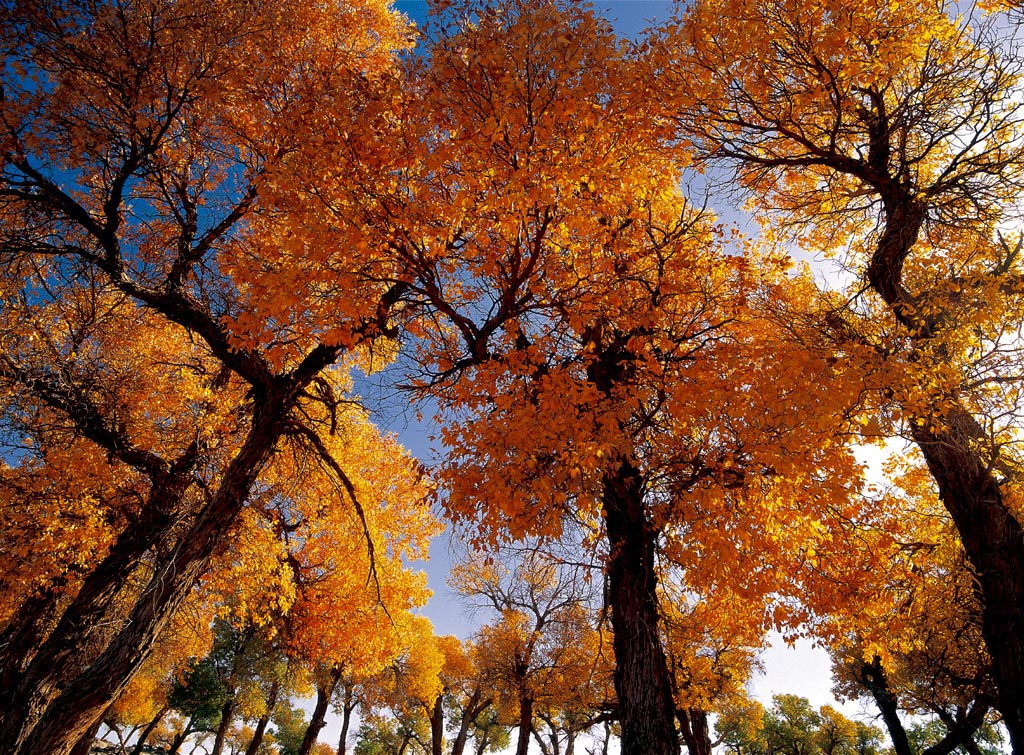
(712, 642)
(894, 133)
(153, 227)
(537, 654)
(913, 644)
(467, 692)
(792, 727)
(595, 353)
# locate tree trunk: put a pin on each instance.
(347, 708)
(474, 707)
(179, 740)
(642, 683)
(227, 713)
(84, 745)
(261, 725)
(693, 723)
(148, 731)
(53, 718)
(525, 726)
(437, 727)
(872, 676)
(993, 541)
(993, 538)
(317, 720)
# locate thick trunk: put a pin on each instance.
(437, 727)
(84, 745)
(30, 687)
(319, 717)
(20, 640)
(993, 540)
(872, 676)
(261, 725)
(525, 726)
(992, 536)
(693, 723)
(57, 717)
(646, 709)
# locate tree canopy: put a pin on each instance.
(217, 219)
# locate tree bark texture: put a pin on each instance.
(992, 536)
(693, 724)
(642, 684)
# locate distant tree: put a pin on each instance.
(792, 727)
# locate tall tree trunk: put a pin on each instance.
(347, 707)
(993, 540)
(56, 717)
(317, 720)
(437, 727)
(261, 725)
(872, 676)
(642, 684)
(474, 707)
(227, 714)
(148, 731)
(992, 536)
(525, 725)
(693, 723)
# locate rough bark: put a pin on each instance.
(84, 745)
(642, 682)
(56, 717)
(693, 724)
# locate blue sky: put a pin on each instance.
(628, 17)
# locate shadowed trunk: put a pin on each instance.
(84, 746)
(148, 731)
(693, 723)
(319, 717)
(261, 725)
(347, 708)
(642, 683)
(437, 727)
(54, 717)
(474, 707)
(992, 536)
(525, 726)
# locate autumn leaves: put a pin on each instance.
(212, 213)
